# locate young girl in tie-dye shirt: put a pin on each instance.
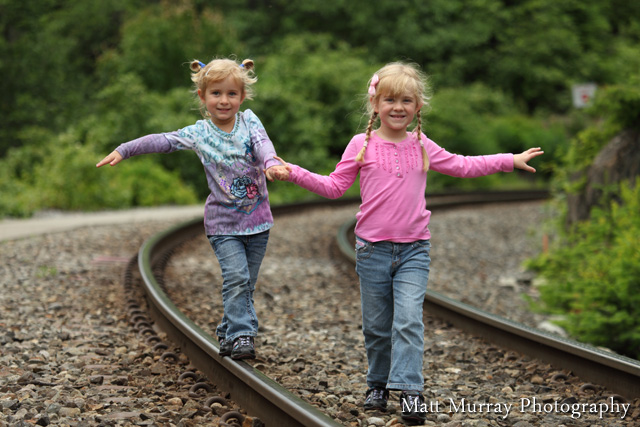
(238, 157)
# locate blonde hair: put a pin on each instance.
(394, 79)
(219, 69)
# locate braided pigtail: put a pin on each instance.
(418, 131)
(360, 156)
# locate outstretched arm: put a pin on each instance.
(113, 159)
(520, 160)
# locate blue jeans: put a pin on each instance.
(240, 258)
(393, 284)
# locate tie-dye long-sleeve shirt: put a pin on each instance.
(234, 164)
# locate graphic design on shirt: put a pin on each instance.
(247, 195)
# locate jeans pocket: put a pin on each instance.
(364, 249)
(418, 244)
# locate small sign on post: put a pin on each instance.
(583, 94)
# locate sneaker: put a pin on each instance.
(376, 399)
(243, 348)
(412, 405)
(225, 347)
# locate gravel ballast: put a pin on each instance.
(71, 355)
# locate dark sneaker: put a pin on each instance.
(376, 399)
(413, 408)
(225, 347)
(243, 348)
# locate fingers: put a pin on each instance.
(104, 161)
(281, 173)
(534, 152)
(285, 164)
(112, 159)
(520, 160)
(267, 173)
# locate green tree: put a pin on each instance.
(310, 98)
(48, 52)
(160, 40)
(544, 45)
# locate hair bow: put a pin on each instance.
(374, 82)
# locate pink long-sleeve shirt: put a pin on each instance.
(392, 183)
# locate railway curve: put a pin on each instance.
(271, 402)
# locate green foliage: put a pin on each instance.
(111, 71)
(477, 120)
(48, 50)
(532, 50)
(62, 175)
(617, 107)
(307, 99)
(544, 44)
(593, 270)
(593, 276)
(162, 37)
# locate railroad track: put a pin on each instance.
(275, 405)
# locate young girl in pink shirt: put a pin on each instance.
(392, 234)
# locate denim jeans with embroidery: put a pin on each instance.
(393, 284)
(240, 258)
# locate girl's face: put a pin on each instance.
(222, 99)
(396, 113)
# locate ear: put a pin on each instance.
(242, 97)
(201, 95)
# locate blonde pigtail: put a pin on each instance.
(247, 64)
(196, 66)
(360, 156)
(425, 155)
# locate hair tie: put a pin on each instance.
(196, 65)
(374, 82)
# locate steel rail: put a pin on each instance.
(618, 373)
(251, 389)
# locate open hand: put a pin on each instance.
(113, 159)
(520, 160)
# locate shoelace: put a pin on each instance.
(377, 394)
(243, 341)
(412, 399)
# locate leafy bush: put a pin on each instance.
(593, 276)
(62, 175)
(477, 120)
(593, 270)
(307, 98)
(615, 108)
